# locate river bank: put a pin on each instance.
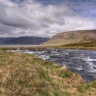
(43, 47)
(82, 61)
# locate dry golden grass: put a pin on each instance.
(27, 75)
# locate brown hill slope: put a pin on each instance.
(72, 37)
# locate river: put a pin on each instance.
(82, 62)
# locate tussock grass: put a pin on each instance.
(27, 75)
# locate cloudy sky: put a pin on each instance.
(45, 17)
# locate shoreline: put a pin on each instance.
(42, 47)
(47, 58)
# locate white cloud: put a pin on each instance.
(35, 19)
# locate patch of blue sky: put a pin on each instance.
(60, 1)
(17, 1)
(48, 2)
(84, 8)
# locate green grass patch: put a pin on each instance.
(82, 45)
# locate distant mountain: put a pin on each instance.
(78, 36)
(22, 40)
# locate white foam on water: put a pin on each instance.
(54, 52)
(89, 59)
(40, 52)
(92, 70)
(91, 66)
(28, 52)
(79, 68)
(44, 57)
(67, 53)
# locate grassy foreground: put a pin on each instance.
(27, 75)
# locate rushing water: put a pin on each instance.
(81, 61)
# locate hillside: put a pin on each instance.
(22, 40)
(72, 37)
(27, 75)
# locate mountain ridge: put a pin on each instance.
(26, 40)
(72, 37)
